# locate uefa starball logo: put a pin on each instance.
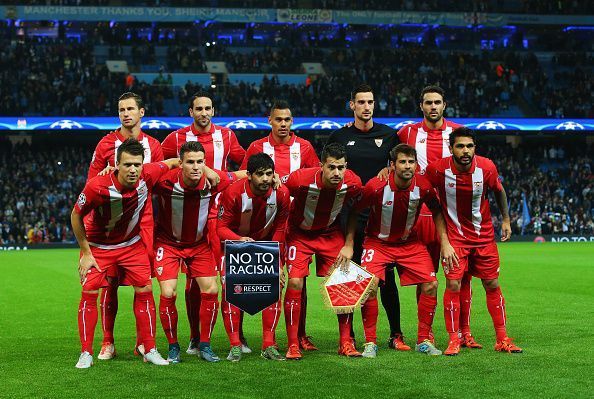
(66, 124)
(241, 124)
(491, 125)
(569, 125)
(155, 124)
(402, 124)
(326, 124)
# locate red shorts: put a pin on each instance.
(412, 260)
(198, 260)
(215, 242)
(130, 263)
(481, 262)
(146, 237)
(301, 246)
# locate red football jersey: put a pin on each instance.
(243, 214)
(114, 212)
(220, 144)
(464, 199)
(315, 207)
(394, 212)
(431, 144)
(105, 152)
(297, 153)
(183, 210)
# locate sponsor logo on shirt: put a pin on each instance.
(351, 143)
(313, 197)
(478, 183)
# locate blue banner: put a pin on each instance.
(306, 123)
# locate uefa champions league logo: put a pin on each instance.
(155, 124)
(66, 124)
(491, 125)
(402, 124)
(569, 125)
(241, 124)
(326, 124)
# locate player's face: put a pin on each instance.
(129, 169)
(192, 167)
(432, 107)
(463, 150)
(333, 171)
(281, 121)
(129, 113)
(405, 166)
(202, 111)
(362, 106)
(261, 180)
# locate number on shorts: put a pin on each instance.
(291, 252)
(159, 255)
(367, 255)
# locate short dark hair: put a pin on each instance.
(402, 149)
(130, 146)
(136, 97)
(462, 131)
(362, 88)
(279, 104)
(259, 161)
(432, 89)
(334, 150)
(190, 146)
(198, 95)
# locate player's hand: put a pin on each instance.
(85, 264)
(449, 258)
(343, 260)
(276, 181)
(505, 231)
(212, 177)
(246, 239)
(384, 174)
(283, 278)
(108, 169)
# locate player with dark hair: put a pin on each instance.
(253, 210)
(220, 147)
(463, 182)
(368, 144)
(289, 153)
(319, 195)
(130, 111)
(113, 206)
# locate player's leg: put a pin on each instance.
(209, 306)
(192, 299)
(108, 303)
(305, 341)
(369, 313)
(468, 340)
(231, 320)
(270, 317)
(451, 300)
(426, 313)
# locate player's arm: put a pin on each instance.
(227, 219)
(97, 164)
(501, 199)
(236, 151)
(169, 146)
(449, 258)
(87, 259)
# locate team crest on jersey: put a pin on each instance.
(284, 179)
(218, 143)
(378, 142)
(451, 185)
(478, 183)
(295, 155)
(422, 141)
(160, 270)
(82, 200)
(142, 189)
(388, 203)
(313, 197)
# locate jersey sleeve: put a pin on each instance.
(156, 151)
(311, 159)
(355, 186)
(403, 134)
(430, 198)
(226, 179)
(236, 151)
(227, 222)
(493, 179)
(365, 200)
(98, 162)
(292, 182)
(88, 199)
(169, 146)
(250, 151)
(153, 171)
(432, 175)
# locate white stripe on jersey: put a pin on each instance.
(421, 147)
(309, 210)
(271, 209)
(450, 189)
(116, 208)
(445, 135)
(177, 210)
(205, 196)
(338, 202)
(246, 214)
(413, 203)
(268, 149)
(218, 149)
(295, 156)
(387, 212)
(142, 193)
(477, 196)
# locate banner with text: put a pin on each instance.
(252, 280)
(344, 291)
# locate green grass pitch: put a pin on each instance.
(550, 305)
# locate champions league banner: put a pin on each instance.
(252, 281)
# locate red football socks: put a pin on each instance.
(209, 306)
(425, 313)
(465, 303)
(451, 311)
(345, 321)
(292, 314)
(496, 307)
(369, 311)
(192, 292)
(168, 315)
(270, 318)
(303, 315)
(231, 321)
(87, 321)
(146, 314)
(109, 309)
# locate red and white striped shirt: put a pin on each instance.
(114, 211)
(394, 212)
(243, 214)
(183, 210)
(315, 207)
(431, 144)
(105, 152)
(297, 153)
(220, 144)
(464, 199)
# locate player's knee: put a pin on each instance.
(453, 285)
(295, 284)
(146, 288)
(429, 288)
(168, 292)
(491, 284)
(90, 292)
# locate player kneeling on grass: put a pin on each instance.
(390, 237)
(112, 206)
(253, 210)
(185, 197)
(463, 182)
